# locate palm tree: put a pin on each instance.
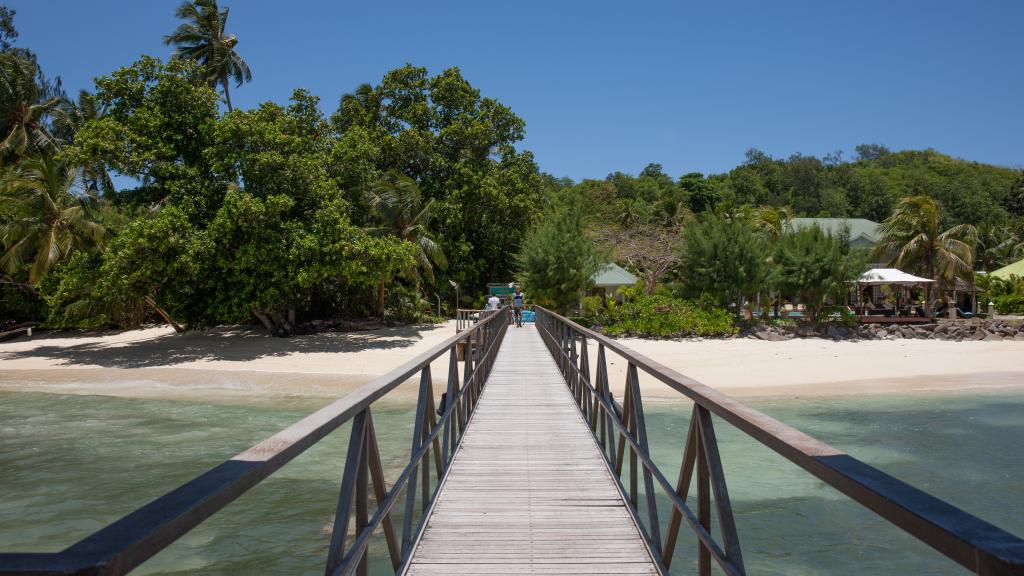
(772, 221)
(53, 216)
(202, 38)
(397, 201)
(27, 104)
(998, 245)
(69, 119)
(913, 239)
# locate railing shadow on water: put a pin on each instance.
(126, 543)
(617, 427)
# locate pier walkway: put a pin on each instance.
(525, 459)
(527, 482)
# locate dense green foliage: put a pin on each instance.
(662, 316)
(724, 258)
(1007, 295)
(913, 238)
(286, 212)
(557, 260)
(814, 265)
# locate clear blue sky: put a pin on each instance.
(607, 86)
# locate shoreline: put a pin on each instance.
(235, 365)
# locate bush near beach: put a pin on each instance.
(664, 317)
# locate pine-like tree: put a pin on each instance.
(557, 260)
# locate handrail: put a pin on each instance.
(464, 318)
(966, 539)
(124, 544)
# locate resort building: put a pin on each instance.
(609, 279)
(1015, 269)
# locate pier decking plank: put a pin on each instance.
(528, 491)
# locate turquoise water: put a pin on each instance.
(71, 464)
(965, 449)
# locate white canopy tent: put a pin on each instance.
(877, 276)
(889, 277)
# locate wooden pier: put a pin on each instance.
(541, 469)
(516, 502)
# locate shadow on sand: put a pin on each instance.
(230, 344)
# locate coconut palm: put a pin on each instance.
(998, 245)
(397, 201)
(27, 104)
(53, 216)
(202, 38)
(912, 239)
(772, 221)
(68, 120)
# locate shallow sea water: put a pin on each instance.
(71, 464)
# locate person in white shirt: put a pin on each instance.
(492, 303)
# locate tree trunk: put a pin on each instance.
(163, 314)
(291, 316)
(266, 321)
(285, 327)
(381, 303)
(227, 95)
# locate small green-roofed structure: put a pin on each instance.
(1015, 269)
(610, 278)
(863, 232)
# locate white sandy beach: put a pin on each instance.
(222, 364)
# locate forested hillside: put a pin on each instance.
(866, 186)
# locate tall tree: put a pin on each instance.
(8, 33)
(397, 201)
(651, 251)
(725, 259)
(68, 120)
(202, 37)
(27, 103)
(813, 265)
(557, 260)
(912, 238)
(54, 216)
(998, 245)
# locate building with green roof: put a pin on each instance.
(610, 278)
(863, 232)
(1015, 269)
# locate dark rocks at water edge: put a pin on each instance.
(958, 331)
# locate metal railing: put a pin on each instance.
(125, 544)
(962, 537)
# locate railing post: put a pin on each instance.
(350, 484)
(716, 473)
(588, 413)
(410, 491)
(703, 512)
(640, 426)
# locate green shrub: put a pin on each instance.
(1010, 303)
(840, 314)
(1007, 295)
(667, 317)
(592, 306)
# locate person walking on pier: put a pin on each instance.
(518, 300)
